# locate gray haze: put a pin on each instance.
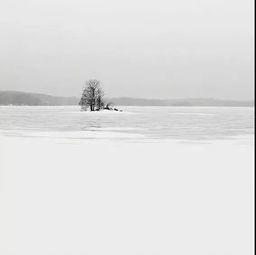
(152, 49)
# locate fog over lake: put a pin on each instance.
(149, 49)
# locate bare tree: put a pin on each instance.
(92, 96)
(99, 99)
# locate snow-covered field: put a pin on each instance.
(63, 196)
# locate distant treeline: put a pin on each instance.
(24, 98)
(178, 102)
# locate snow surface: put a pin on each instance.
(60, 197)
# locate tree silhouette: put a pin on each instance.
(92, 96)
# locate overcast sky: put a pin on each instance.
(152, 49)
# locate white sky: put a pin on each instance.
(152, 49)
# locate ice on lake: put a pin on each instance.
(150, 180)
(179, 123)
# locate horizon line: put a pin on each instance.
(138, 98)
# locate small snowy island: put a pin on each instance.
(93, 98)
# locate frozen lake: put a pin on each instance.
(149, 180)
(178, 123)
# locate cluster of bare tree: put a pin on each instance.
(92, 97)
